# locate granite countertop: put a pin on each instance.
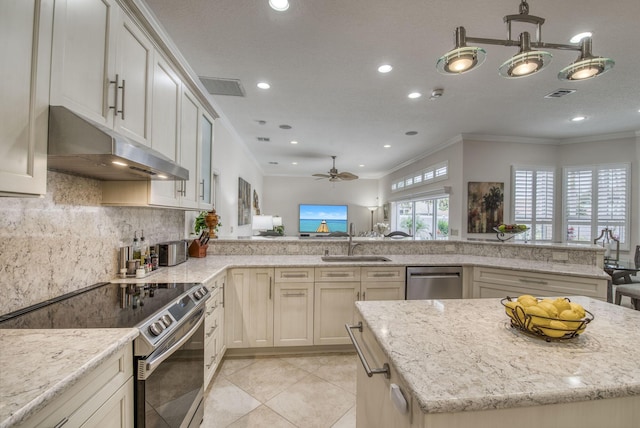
(204, 269)
(463, 355)
(36, 366)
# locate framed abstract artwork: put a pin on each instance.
(485, 205)
(244, 202)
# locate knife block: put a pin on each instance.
(197, 250)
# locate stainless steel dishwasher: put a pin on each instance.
(434, 282)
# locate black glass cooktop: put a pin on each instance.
(104, 305)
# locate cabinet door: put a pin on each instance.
(83, 59)
(293, 314)
(164, 128)
(116, 412)
(189, 123)
(205, 177)
(258, 307)
(234, 328)
(134, 63)
(24, 105)
(334, 306)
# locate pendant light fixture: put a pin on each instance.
(528, 60)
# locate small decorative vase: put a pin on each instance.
(211, 220)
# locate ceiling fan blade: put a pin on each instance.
(347, 176)
(321, 175)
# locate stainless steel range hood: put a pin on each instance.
(81, 147)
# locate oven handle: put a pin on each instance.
(146, 367)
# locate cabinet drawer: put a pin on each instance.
(294, 274)
(549, 284)
(383, 273)
(337, 274)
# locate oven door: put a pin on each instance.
(169, 385)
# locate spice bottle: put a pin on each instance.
(136, 248)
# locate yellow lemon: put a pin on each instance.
(557, 329)
(510, 309)
(538, 315)
(552, 311)
(561, 304)
(527, 300)
(570, 317)
(578, 308)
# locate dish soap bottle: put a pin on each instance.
(136, 248)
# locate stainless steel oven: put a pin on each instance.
(169, 388)
(168, 353)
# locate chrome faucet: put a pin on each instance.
(352, 246)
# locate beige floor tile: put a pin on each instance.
(310, 363)
(265, 378)
(262, 417)
(312, 402)
(232, 365)
(348, 420)
(340, 372)
(225, 403)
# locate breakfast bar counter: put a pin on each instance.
(460, 363)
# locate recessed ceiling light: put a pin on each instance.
(578, 118)
(411, 133)
(386, 146)
(162, 176)
(385, 68)
(294, 163)
(263, 85)
(294, 142)
(285, 126)
(279, 5)
(578, 37)
(361, 165)
(119, 163)
(413, 95)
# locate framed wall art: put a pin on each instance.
(485, 204)
(244, 202)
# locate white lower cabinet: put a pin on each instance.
(493, 282)
(383, 283)
(249, 308)
(102, 398)
(214, 329)
(293, 307)
(336, 291)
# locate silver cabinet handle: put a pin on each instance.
(115, 104)
(532, 281)
(213, 360)
(358, 295)
(294, 275)
(294, 295)
(337, 274)
(212, 330)
(364, 295)
(269, 288)
(123, 98)
(61, 423)
(370, 372)
(222, 302)
(384, 274)
(202, 193)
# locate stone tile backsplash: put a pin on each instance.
(66, 240)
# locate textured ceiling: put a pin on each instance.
(321, 59)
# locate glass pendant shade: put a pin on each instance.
(461, 60)
(586, 68)
(524, 64)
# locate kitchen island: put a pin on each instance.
(459, 363)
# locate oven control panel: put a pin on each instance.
(169, 319)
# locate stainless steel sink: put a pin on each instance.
(355, 259)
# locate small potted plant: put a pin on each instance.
(207, 220)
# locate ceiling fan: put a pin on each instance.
(334, 175)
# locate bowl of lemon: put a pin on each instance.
(550, 319)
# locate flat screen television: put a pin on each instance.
(322, 218)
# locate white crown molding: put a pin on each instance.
(510, 139)
(600, 137)
(430, 151)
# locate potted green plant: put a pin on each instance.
(201, 223)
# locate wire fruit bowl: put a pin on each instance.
(545, 327)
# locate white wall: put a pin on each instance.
(282, 195)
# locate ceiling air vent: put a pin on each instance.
(217, 86)
(560, 93)
(264, 139)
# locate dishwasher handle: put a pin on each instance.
(370, 372)
(434, 275)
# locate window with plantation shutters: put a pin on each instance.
(533, 196)
(596, 197)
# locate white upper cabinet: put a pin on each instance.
(190, 113)
(25, 31)
(101, 66)
(205, 172)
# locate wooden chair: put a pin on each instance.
(630, 290)
(397, 233)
